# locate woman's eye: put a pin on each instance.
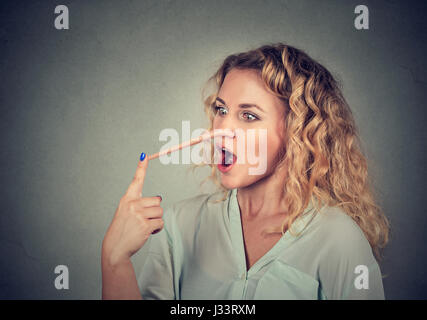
(249, 116)
(220, 110)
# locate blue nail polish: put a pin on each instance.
(142, 157)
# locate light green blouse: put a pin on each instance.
(200, 254)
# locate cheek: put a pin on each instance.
(265, 143)
(270, 142)
(274, 143)
(214, 123)
(263, 150)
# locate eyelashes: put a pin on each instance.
(218, 109)
(222, 111)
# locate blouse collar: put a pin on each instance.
(300, 223)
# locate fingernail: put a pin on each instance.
(142, 157)
(160, 197)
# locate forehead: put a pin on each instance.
(246, 86)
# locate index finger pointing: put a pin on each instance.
(135, 187)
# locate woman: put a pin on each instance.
(305, 228)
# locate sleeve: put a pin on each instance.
(159, 277)
(349, 270)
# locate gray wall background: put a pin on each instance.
(78, 106)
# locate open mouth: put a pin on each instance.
(228, 159)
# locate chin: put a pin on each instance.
(229, 184)
(229, 181)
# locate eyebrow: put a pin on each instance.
(243, 105)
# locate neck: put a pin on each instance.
(263, 198)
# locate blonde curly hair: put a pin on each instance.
(322, 151)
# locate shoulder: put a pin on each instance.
(336, 222)
(335, 225)
(340, 236)
(344, 252)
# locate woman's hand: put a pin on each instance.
(135, 219)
